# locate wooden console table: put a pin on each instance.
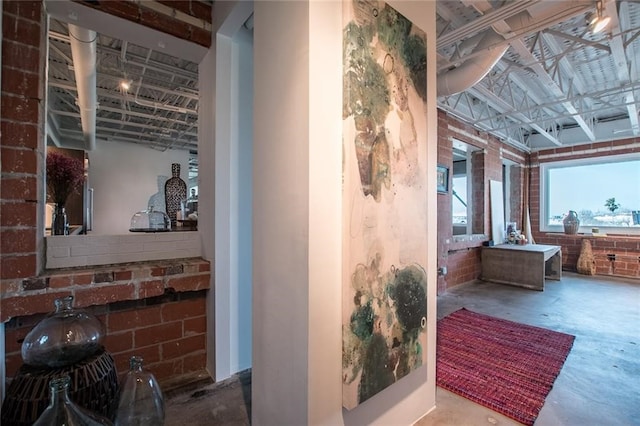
(522, 265)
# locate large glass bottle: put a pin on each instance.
(62, 411)
(65, 337)
(175, 193)
(141, 401)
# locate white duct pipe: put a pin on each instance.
(474, 69)
(83, 51)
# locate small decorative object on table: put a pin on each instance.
(65, 175)
(141, 401)
(150, 220)
(62, 411)
(66, 336)
(571, 223)
(175, 192)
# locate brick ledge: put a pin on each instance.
(103, 284)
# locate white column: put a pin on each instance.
(225, 149)
(297, 342)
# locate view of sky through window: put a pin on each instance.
(585, 188)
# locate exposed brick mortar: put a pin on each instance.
(16, 295)
(121, 344)
(149, 17)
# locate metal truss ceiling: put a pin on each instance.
(557, 83)
(159, 110)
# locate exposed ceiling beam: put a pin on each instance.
(547, 80)
(610, 100)
(134, 59)
(130, 124)
(531, 97)
(503, 106)
(563, 14)
(564, 63)
(460, 105)
(110, 134)
(484, 22)
(62, 84)
(620, 57)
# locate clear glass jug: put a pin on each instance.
(141, 401)
(64, 412)
(63, 338)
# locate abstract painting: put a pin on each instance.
(384, 313)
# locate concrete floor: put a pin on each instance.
(598, 385)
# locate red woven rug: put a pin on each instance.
(503, 365)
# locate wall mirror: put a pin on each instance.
(464, 195)
(127, 104)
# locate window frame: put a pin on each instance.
(544, 190)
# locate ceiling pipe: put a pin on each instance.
(493, 45)
(83, 50)
(472, 71)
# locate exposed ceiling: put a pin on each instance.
(549, 80)
(86, 70)
(529, 72)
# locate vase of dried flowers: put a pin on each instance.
(65, 175)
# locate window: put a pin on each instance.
(605, 192)
(465, 219)
(460, 200)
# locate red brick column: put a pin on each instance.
(23, 106)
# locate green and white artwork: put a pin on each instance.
(384, 198)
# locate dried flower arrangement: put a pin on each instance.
(65, 175)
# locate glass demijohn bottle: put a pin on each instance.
(62, 411)
(141, 401)
(64, 337)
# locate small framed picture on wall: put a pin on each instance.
(442, 179)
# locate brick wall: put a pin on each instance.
(153, 309)
(516, 200)
(22, 122)
(23, 66)
(170, 301)
(168, 331)
(185, 19)
(625, 247)
(626, 250)
(464, 265)
(461, 255)
(480, 186)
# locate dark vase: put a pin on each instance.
(175, 192)
(59, 223)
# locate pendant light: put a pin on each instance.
(598, 21)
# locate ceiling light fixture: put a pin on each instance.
(598, 21)
(125, 85)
